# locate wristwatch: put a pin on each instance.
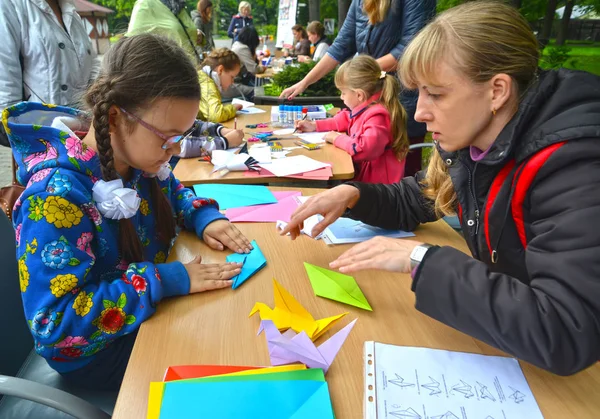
(417, 255)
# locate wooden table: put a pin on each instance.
(214, 328)
(191, 171)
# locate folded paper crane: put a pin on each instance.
(225, 160)
(290, 347)
(289, 314)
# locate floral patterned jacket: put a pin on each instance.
(79, 295)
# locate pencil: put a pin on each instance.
(234, 123)
(303, 118)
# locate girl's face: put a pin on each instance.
(227, 76)
(140, 147)
(352, 98)
(245, 12)
(312, 37)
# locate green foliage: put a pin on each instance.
(556, 57)
(267, 30)
(329, 10)
(293, 74)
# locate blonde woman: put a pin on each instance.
(517, 159)
(381, 29)
(240, 21)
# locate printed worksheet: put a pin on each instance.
(422, 383)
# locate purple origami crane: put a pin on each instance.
(290, 347)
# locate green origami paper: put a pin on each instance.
(336, 286)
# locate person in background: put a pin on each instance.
(240, 21)
(168, 18)
(381, 29)
(207, 137)
(218, 72)
(46, 54)
(302, 44)
(96, 221)
(245, 48)
(373, 128)
(516, 157)
(319, 42)
(202, 18)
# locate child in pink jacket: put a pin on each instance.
(373, 130)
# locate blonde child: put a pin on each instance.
(95, 223)
(217, 74)
(373, 130)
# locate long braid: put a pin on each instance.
(130, 245)
(165, 220)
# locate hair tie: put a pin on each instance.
(115, 201)
(383, 74)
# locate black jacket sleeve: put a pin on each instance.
(397, 206)
(554, 320)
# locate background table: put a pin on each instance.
(191, 171)
(214, 328)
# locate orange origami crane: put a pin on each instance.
(289, 314)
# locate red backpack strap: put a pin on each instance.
(493, 193)
(530, 168)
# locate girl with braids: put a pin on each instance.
(97, 219)
(373, 128)
(219, 70)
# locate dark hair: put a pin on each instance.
(317, 28)
(249, 37)
(300, 28)
(222, 56)
(136, 71)
(202, 7)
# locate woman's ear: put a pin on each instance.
(501, 90)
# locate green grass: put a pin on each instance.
(582, 57)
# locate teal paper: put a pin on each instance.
(253, 262)
(234, 196)
(247, 399)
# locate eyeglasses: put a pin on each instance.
(169, 141)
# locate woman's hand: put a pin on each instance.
(331, 136)
(295, 90)
(381, 253)
(304, 58)
(235, 137)
(213, 276)
(330, 204)
(221, 233)
(305, 126)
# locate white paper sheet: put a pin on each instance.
(422, 383)
(245, 104)
(293, 165)
(312, 137)
(261, 153)
(249, 111)
(346, 230)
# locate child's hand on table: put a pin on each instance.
(235, 137)
(331, 136)
(210, 276)
(306, 126)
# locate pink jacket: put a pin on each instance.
(368, 141)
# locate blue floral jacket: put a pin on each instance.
(79, 295)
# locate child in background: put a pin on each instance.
(95, 223)
(207, 137)
(373, 130)
(218, 72)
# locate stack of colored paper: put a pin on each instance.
(212, 391)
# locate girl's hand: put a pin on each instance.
(331, 204)
(238, 107)
(213, 276)
(221, 233)
(380, 253)
(306, 126)
(235, 137)
(331, 136)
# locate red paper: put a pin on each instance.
(182, 372)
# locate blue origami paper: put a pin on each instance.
(233, 196)
(252, 263)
